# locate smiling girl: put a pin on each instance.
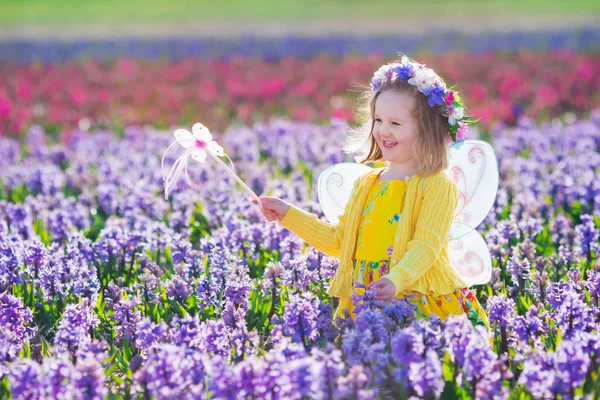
(394, 230)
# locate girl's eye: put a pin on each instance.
(379, 120)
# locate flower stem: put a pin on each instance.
(237, 178)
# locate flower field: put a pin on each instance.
(109, 291)
(113, 94)
(108, 288)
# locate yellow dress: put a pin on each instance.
(373, 252)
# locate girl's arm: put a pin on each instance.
(431, 233)
(321, 235)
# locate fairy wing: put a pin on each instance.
(334, 187)
(470, 258)
(473, 167)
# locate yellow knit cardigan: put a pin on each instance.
(419, 258)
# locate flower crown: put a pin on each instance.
(447, 102)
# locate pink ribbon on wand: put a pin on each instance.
(197, 144)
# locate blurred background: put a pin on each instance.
(70, 65)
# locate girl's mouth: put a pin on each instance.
(389, 145)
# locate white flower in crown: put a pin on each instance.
(385, 73)
(425, 78)
(456, 114)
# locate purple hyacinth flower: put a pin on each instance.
(166, 374)
(354, 384)
(149, 334)
(538, 374)
(24, 379)
(571, 366)
(531, 326)
(297, 274)
(329, 367)
(501, 310)
(178, 289)
(587, 236)
(74, 327)
(300, 317)
(59, 377)
(127, 318)
(573, 315)
(91, 380)
(15, 318)
(426, 376)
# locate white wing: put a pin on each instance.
(474, 169)
(470, 258)
(334, 187)
(184, 138)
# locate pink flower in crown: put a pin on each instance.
(389, 75)
(460, 133)
(381, 73)
(449, 97)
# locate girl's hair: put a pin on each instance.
(432, 135)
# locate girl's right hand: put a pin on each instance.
(273, 208)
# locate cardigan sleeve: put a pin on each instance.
(321, 235)
(440, 199)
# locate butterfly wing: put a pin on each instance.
(334, 187)
(470, 258)
(473, 167)
(184, 138)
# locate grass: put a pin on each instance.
(59, 12)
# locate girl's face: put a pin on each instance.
(395, 129)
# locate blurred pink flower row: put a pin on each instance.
(495, 86)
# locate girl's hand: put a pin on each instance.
(385, 289)
(273, 208)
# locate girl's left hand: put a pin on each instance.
(385, 289)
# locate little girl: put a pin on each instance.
(393, 234)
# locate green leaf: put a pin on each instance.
(110, 370)
(118, 379)
(38, 227)
(26, 350)
(45, 347)
(127, 350)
